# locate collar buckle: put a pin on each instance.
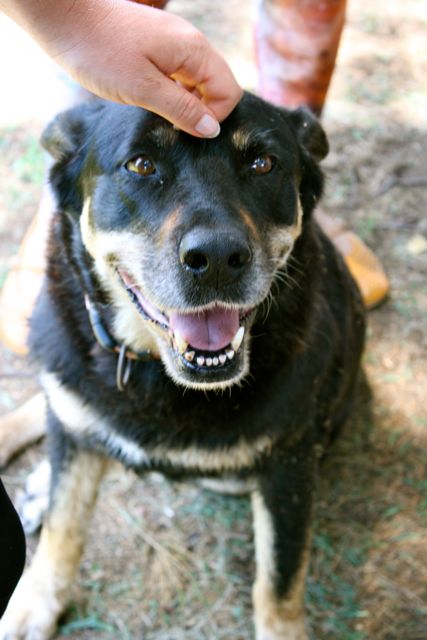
(107, 342)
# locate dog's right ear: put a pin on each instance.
(66, 140)
(63, 136)
(66, 135)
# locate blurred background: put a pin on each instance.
(168, 562)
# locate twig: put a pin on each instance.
(170, 554)
(218, 604)
(407, 182)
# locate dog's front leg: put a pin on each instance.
(43, 591)
(282, 509)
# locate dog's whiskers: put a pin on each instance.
(295, 264)
(267, 304)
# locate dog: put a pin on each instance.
(194, 321)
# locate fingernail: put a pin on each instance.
(208, 127)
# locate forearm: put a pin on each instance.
(133, 53)
(57, 25)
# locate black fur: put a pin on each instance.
(305, 351)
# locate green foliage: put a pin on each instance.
(91, 622)
(29, 167)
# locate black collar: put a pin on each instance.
(107, 342)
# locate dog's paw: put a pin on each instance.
(33, 502)
(283, 630)
(33, 610)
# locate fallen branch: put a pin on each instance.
(407, 182)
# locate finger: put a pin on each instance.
(181, 107)
(211, 77)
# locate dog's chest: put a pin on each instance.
(149, 444)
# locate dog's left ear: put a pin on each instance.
(314, 147)
(310, 133)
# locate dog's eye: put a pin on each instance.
(142, 165)
(262, 164)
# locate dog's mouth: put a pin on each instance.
(207, 339)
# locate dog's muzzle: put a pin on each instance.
(207, 341)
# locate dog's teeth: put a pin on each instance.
(215, 362)
(222, 358)
(209, 362)
(230, 354)
(189, 355)
(200, 361)
(181, 344)
(238, 339)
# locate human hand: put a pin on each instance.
(134, 54)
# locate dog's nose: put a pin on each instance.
(214, 258)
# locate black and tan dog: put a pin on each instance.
(194, 321)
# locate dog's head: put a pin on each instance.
(186, 236)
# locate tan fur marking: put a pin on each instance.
(163, 135)
(241, 139)
(64, 532)
(275, 619)
(82, 418)
(129, 327)
(239, 456)
(44, 589)
(284, 238)
(22, 427)
(79, 417)
(168, 227)
(247, 219)
(86, 227)
(298, 225)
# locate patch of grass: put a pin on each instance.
(333, 600)
(91, 622)
(378, 93)
(392, 511)
(7, 135)
(366, 227)
(29, 167)
(334, 603)
(405, 305)
(3, 273)
(118, 589)
(225, 510)
(369, 23)
(18, 199)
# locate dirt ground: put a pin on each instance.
(170, 561)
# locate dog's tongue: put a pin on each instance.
(209, 330)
